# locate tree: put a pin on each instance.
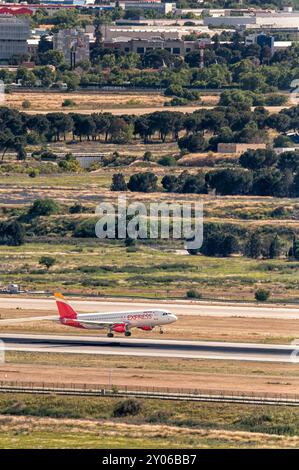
(47, 261)
(60, 123)
(169, 183)
(254, 248)
(143, 182)
(256, 159)
(217, 242)
(21, 153)
(43, 207)
(289, 161)
(269, 182)
(192, 184)
(7, 141)
(118, 182)
(11, 233)
(193, 143)
(230, 181)
(275, 247)
(38, 123)
(120, 131)
(294, 250)
(51, 57)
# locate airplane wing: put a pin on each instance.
(103, 324)
(11, 321)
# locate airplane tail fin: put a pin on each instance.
(64, 309)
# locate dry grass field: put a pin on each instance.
(42, 433)
(116, 103)
(260, 377)
(83, 101)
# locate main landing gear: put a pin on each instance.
(128, 333)
(110, 335)
(161, 331)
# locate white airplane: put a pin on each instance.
(114, 322)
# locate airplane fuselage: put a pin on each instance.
(144, 319)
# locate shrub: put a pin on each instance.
(43, 207)
(33, 172)
(193, 142)
(26, 104)
(193, 294)
(118, 182)
(167, 160)
(47, 261)
(143, 182)
(129, 407)
(11, 233)
(76, 209)
(148, 156)
(261, 295)
(68, 102)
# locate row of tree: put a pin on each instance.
(263, 174)
(222, 124)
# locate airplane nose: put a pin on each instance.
(174, 317)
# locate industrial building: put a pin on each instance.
(283, 19)
(14, 33)
(73, 43)
(174, 46)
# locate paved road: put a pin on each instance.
(138, 347)
(179, 308)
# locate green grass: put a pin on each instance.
(144, 364)
(229, 417)
(97, 267)
(96, 440)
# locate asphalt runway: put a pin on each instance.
(178, 308)
(151, 348)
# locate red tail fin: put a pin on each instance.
(64, 309)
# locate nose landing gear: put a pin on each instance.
(110, 334)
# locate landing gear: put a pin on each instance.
(110, 335)
(128, 333)
(161, 331)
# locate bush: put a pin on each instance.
(47, 261)
(26, 104)
(11, 233)
(148, 156)
(76, 209)
(43, 207)
(68, 102)
(143, 182)
(193, 143)
(167, 160)
(33, 172)
(118, 182)
(261, 295)
(193, 294)
(129, 407)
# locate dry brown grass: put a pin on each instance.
(135, 377)
(19, 425)
(83, 101)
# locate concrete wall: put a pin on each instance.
(238, 148)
